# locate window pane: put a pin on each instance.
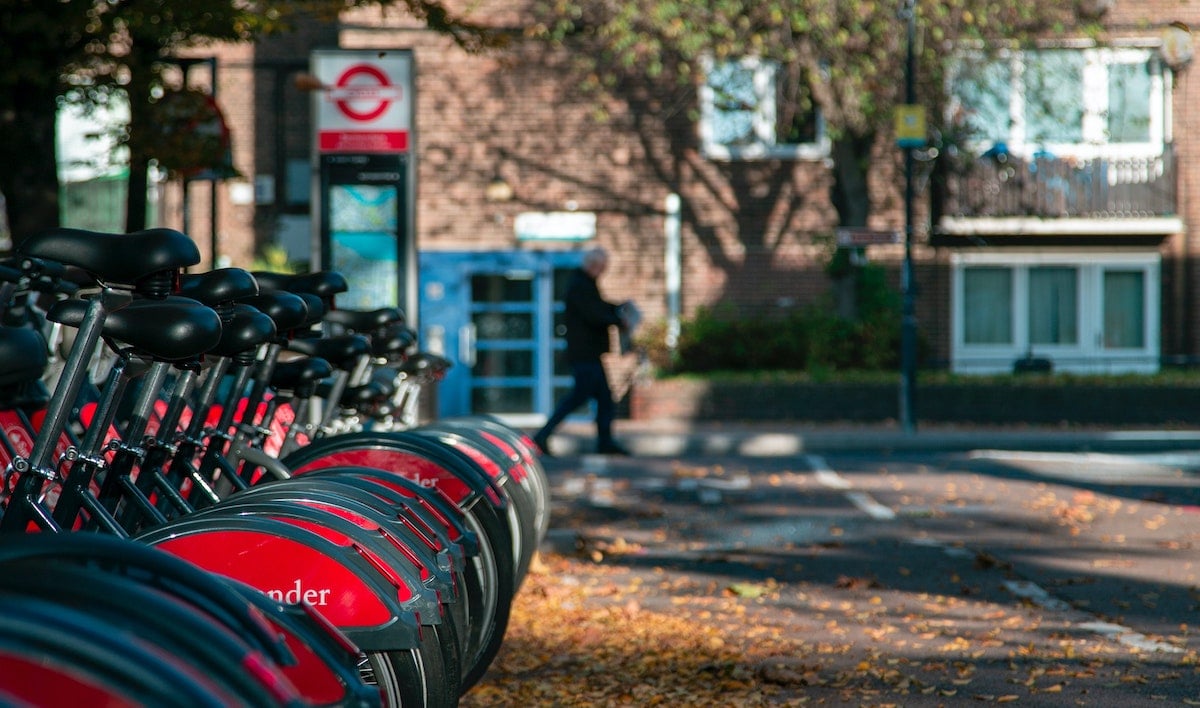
(1129, 91)
(501, 288)
(984, 89)
(735, 103)
(1124, 309)
(987, 305)
(1054, 96)
(760, 103)
(562, 278)
(503, 362)
(503, 325)
(502, 400)
(1053, 306)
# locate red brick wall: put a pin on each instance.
(515, 115)
(752, 232)
(1181, 278)
(267, 115)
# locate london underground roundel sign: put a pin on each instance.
(363, 101)
(365, 104)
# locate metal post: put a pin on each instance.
(673, 269)
(185, 66)
(908, 322)
(213, 233)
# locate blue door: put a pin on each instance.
(498, 316)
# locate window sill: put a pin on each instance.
(1066, 226)
(807, 152)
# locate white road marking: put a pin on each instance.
(1024, 589)
(1028, 590)
(861, 500)
(867, 504)
(825, 476)
(1042, 456)
(1126, 468)
(1130, 638)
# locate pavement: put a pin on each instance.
(985, 571)
(671, 438)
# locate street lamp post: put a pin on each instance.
(908, 322)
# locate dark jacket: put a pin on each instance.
(587, 319)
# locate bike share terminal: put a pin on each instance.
(363, 155)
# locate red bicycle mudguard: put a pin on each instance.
(383, 542)
(293, 564)
(424, 461)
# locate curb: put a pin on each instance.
(678, 440)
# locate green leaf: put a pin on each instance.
(748, 590)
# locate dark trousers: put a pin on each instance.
(591, 383)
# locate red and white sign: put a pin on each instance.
(365, 101)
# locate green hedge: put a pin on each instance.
(811, 338)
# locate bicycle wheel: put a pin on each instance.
(474, 574)
(326, 667)
(422, 460)
(347, 583)
(160, 620)
(490, 571)
(522, 449)
(54, 655)
(369, 520)
(522, 505)
(315, 656)
(152, 567)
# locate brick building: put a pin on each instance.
(1064, 233)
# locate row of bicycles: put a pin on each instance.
(216, 491)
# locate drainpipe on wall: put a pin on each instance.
(674, 269)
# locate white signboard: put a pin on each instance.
(364, 103)
(555, 225)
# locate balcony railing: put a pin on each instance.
(999, 186)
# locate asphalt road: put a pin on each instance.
(916, 577)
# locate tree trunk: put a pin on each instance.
(39, 40)
(852, 200)
(29, 179)
(135, 200)
(141, 76)
(850, 193)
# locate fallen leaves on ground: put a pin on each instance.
(849, 583)
(583, 634)
(563, 649)
(602, 625)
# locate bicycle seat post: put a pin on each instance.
(76, 491)
(36, 470)
(117, 485)
(112, 391)
(74, 371)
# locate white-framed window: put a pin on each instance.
(752, 108)
(1087, 312)
(1065, 101)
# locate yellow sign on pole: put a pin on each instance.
(910, 126)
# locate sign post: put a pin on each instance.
(364, 225)
(910, 135)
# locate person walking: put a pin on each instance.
(587, 318)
